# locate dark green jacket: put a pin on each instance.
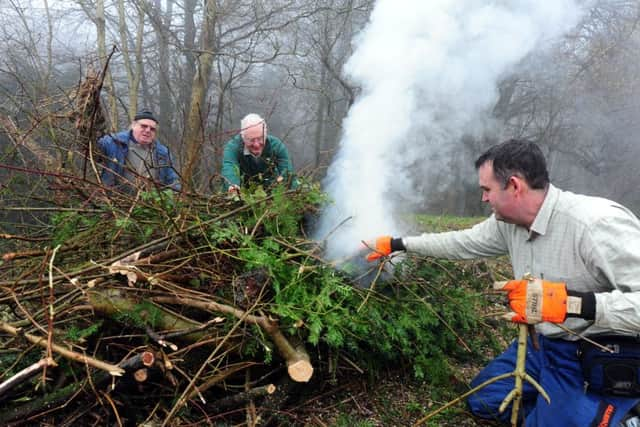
(243, 169)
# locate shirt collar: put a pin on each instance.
(541, 222)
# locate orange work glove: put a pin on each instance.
(534, 301)
(381, 248)
(384, 246)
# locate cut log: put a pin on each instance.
(301, 370)
(148, 358)
(297, 359)
(141, 375)
(244, 397)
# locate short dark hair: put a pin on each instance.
(517, 157)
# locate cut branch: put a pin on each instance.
(66, 393)
(112, 302)
(25, 375)
(244, 397)
(71, 355)
(297, 359)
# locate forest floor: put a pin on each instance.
(394, 398)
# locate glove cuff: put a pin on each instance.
(397, 244)
(581, 304)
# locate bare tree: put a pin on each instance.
(193, 136)
(134, 71)
(323, 43)
(577, 101)
(100, 21)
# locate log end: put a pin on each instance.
(141, 375)
(300, 371)
(148, 358)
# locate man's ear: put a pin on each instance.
(517, 183)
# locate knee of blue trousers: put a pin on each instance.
(485, 406)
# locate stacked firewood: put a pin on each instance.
(134, 293)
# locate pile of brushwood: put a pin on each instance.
(162, 308)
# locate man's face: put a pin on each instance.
(502, 200)
(144, 131)
(253, 138)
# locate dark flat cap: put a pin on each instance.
(145, 114)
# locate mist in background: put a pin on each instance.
(431, 85)
(428, 73)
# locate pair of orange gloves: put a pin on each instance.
(532, 300)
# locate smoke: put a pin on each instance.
(428, 73)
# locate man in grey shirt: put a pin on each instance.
(135, 157)
(584, 252)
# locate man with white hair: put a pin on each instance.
(254, 156)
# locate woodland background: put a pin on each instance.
(202, 65)
(244, 273)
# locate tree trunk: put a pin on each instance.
(47, 74)
(161, 22)
(133, 73)
(319, 133)
(102, 53)
(193, 135)
(189, 53)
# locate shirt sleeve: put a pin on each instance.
(230, 166)
(285, 167)
(106, 145)
(172, 178)
(482, 240)
(613, 251)
(109, 160)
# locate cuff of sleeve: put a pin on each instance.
(397, 244)
(581, 304)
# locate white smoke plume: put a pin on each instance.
(428, 71)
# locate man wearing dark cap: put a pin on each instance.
(135, 156)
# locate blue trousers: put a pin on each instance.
(557, 369)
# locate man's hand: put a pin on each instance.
(384, 246)
(381, 248)
(534, 301)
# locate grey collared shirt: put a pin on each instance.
(590, 243)
(140, 160)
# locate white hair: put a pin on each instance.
(251, 120)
